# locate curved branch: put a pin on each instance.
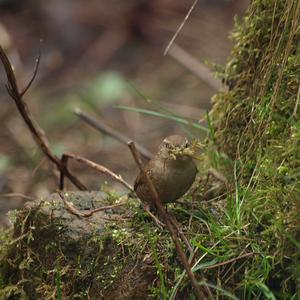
(37, 133)
(37, 63)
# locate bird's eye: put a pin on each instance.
(168, 145)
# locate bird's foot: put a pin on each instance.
(155, 219)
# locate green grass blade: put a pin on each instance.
(58, 285)
(160, 272)
(162, 115)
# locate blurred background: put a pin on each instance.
(96, 56)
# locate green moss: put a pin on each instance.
(256, 124)
(52, 253)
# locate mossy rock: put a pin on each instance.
(53, 253)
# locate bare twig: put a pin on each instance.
(85, 214)
(180, 233)
(36, 131)
(96, 167)
(37, 63)
(64, 161)
(159, 224)
(180, 27)
(70, 208)
(167, 221)
(194, 66)
(98, 125)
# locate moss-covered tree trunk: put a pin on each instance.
(257, 129)
(245, 238)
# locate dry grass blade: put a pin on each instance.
(180, 27)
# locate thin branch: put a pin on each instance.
(11, 79)
(98, 168)
(8, 89)
(195, 66)
(297, 102)
(167, 221)
(100, 126)
(37, 63)
(86, 214)
(64, 161)
(180, 27)
(91, 212)
(36, 131)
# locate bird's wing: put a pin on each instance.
(138, 181)
(141, 179)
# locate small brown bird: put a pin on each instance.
(172, 171)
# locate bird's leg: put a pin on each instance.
(155, 219)
(180, 233)
(173, 222)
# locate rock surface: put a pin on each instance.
(54, 254)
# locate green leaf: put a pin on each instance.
(266, 291)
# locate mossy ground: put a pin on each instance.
(257, 126)
(246, 235)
